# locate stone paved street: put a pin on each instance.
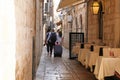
(57, 68)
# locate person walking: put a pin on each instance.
(52, 40)
(46, 40)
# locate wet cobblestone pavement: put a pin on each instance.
(61, 68)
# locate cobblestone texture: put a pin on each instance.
(63, 68)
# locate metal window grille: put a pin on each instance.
(73, 38)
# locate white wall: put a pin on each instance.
(7, 40)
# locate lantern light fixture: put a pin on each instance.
(95, 7)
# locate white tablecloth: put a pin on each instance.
(92, 59)
(105, 66)
(117, 67)
(82, 55)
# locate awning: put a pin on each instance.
(68, 3)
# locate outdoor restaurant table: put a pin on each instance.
(105, 66)
(117, 67)
(87, 59)
(92, 59)
(82, 55)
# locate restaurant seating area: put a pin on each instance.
(103, 61)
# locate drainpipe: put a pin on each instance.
(87, 2)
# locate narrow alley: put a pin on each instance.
(63, 68)
(88, 30)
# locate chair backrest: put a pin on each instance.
(92, 48)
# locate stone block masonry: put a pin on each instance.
(25, 23)
(18, 25)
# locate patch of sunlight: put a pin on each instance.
(7, 40)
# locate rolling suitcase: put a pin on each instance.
(57, 51)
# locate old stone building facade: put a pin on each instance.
(20, 38)
(97, 29)
(78, 23)
(111, 19)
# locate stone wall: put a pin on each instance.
(81, 14)
(38, 34)
(66, 31)
(111, 19)
(20, 22)
(25, 23)
(92, 25)
(78, 24)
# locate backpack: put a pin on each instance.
(52, 38)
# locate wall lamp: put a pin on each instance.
(95, 7)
